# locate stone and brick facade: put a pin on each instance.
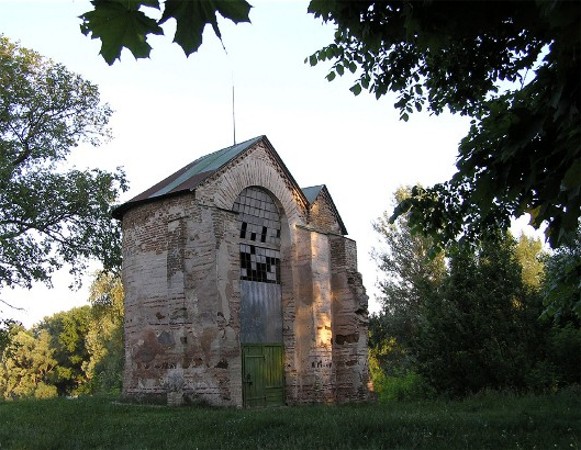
(205, 250)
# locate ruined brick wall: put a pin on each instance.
(345, 312)
(182, 294)
(331, 321)
(181, 306)
(350, 322)
(322, 214)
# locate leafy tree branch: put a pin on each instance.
(51, 216)
(513, 68)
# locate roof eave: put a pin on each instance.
(119, 211)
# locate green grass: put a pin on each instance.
(490, 421)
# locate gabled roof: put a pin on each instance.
(191, 176)
(313, 192)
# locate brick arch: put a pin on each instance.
(255, 168)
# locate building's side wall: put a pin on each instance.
(181, 305)
(151, 346)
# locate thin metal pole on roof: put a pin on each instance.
(233, 103)
(233, 111)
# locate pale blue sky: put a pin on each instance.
(171, 109)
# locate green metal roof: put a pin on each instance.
(188, 178)
(205, 164)
(312, 192)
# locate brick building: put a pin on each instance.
(241, 288)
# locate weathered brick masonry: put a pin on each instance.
(182, 272)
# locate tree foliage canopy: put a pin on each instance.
(562, 289)
(68, 331)
(513, 68)
(74, 352)
(51, 215)
(470, 321)
(27, 365)
(411, 274)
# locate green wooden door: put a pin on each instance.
(262, 375)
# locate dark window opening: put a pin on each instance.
(259, 264)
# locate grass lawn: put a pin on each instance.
(491, 421)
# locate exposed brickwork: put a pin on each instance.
(350, 322)
(181, 275)
(322, 214)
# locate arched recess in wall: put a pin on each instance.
(260, 298)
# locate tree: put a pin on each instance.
(411, 276)
(481, 331)
(513, 68)
(26, 366)
(50, 215)
(105, 336)
(74, 352)
(469, 319)
(8, 328)
(68, 331)
(562, 291)
(531, 256)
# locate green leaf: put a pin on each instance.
(404, 116)
(119, 25)
(340, 69)
(329, 52)
(193, 16)
(356, 89)
(572, 177)
(315, 6)
(330, 76)
(235, 10)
